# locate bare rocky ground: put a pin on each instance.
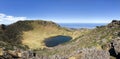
(88, 53)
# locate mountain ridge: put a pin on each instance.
(32, 34)
(29, 32)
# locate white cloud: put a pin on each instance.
(7, 19)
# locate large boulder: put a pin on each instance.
(116, 45)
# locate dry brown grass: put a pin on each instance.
(34, 38)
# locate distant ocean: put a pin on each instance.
(81, 25)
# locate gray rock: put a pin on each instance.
(92, 53)
(116, 44)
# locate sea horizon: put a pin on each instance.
(81, 25)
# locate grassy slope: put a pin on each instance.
(33, 33)
(2, 38)
(34, 38)
(97, 38)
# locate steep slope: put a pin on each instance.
(97, 39)
(3, 38)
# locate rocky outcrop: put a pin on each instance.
(115, 44)
(114, 24)
(115, 48)
(91, 53)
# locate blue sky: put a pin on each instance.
(60, 11)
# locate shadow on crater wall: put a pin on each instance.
(54, 41)
(15, 30)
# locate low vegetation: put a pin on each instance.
(84, 42)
